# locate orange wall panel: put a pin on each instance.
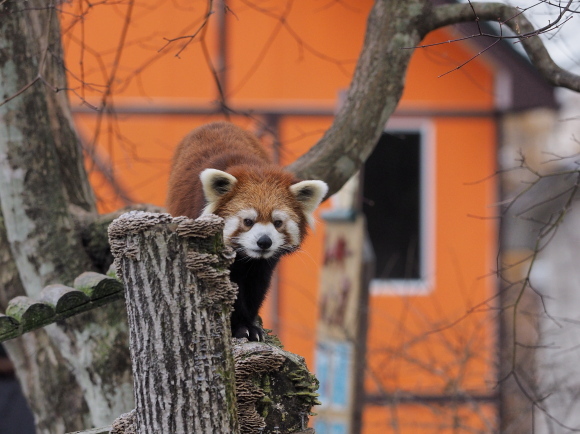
(309, 56)
(431, 418)
(433, 82)
(139, 150)
(141, 66)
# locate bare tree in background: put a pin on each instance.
(51, 231)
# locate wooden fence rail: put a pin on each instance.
(57, 302)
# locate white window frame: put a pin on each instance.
(425, 284)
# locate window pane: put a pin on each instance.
(392, 205)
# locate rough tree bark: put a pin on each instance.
(179, 298)
(83, 363)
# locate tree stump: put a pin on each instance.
(275, 391)
(179, 298)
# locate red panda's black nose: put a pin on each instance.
(264, 242)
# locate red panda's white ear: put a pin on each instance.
(215, 184)
(309, 194)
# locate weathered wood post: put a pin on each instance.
(179, 299)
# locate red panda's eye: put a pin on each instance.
(249, 222)
(278, 223)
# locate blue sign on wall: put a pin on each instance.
(333, 362)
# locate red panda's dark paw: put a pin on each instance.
(250, 332)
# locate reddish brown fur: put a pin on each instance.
(261, 184)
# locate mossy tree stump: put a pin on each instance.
(275, 391)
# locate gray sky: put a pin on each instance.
(563, 42)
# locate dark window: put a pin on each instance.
(392, 205)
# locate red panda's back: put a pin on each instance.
(218, 145)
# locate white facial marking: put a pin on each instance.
(231, 224)
(249, 213)
(249, 235)
(290, 226)
(280, 215)
(249, 240)
(293, 232)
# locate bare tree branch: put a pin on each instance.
(189, 38)
(525, 33)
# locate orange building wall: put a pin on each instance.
(306, 62)
(311, 59)
(433, 83)
(443, 343)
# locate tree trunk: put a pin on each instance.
(179, 298)
(42, 178)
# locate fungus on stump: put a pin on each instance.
(275, 391)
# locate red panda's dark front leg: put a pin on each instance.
(243, 328)
(253, 279)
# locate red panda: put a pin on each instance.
(222, 169)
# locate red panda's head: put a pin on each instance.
(266, 211)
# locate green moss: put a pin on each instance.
(289, 393)
(305, 385)
(229, 382)
(218, 243)
(270, 338)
